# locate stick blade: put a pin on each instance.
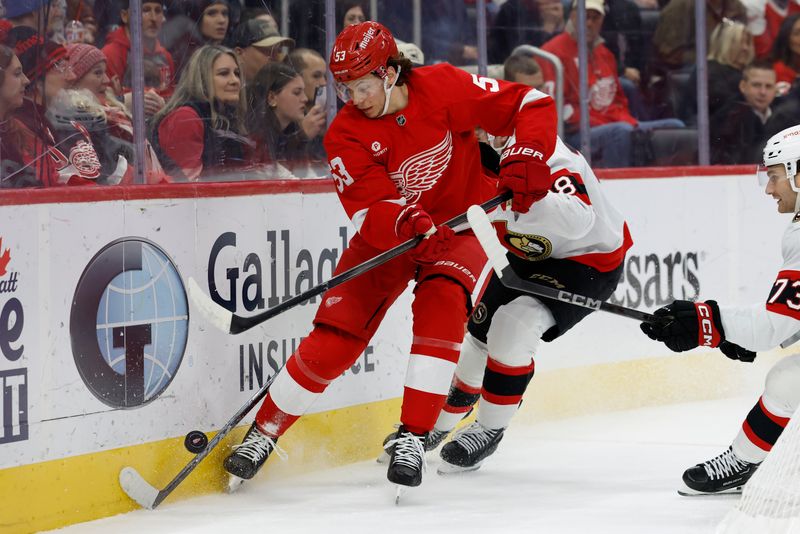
(213, 312)
(137, 488)
(487, 237)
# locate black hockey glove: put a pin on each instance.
(735, 352)
(684, 325)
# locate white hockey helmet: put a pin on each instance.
(784, 148)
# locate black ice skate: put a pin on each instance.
(469, 448)
(435, 437)
(407, 458)
(726, 473)
(248, 457)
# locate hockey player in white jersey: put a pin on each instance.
(739, 330)
(563, 233)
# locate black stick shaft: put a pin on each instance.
(240, 324)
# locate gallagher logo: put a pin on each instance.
(129, 323)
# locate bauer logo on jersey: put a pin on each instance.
(420, 172)
(528, 246)
(129, 323)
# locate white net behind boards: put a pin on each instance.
(770, 502)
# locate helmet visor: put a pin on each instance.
(363, 88)
(761, 174)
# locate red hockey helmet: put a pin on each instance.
(361, 49)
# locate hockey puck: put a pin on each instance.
(195, 441)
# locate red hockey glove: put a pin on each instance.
(414, 221)
(524, 171)
(684, 325)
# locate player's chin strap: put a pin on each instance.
(387, 90)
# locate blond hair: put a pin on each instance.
(726, 40)
(197, 86)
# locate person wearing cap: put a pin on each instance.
(404, 158)
(609, 116)
(257, 43)
(159, 67)
(30, 13)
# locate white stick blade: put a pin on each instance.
(487, 237)
(213, 312)
(137, 487)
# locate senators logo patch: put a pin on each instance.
(530, 247)
(480, 314)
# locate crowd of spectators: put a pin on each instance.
(228, 96)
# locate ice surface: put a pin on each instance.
(611, 473)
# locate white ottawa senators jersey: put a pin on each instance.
(573, 221)
(756, 328)
(427, 153)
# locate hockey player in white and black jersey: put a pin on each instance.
(563, 233)
(740, 330)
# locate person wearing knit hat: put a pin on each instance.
(87, 68)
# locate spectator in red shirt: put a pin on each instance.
(200, 132)
(786, 53)
(611, 122)
(159, 69)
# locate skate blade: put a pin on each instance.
(234, 483)
(451, 469)
(686, 491)
(401, 490)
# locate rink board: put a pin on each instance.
(72, 414)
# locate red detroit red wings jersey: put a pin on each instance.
(764, 327)
(427, 153)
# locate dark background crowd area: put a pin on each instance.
(236, 89)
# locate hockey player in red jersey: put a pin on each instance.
(404, 157)
(566, 235)
(738, 330)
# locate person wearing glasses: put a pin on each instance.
(404, 158)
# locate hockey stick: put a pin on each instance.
(236, 324)
(148, 495)
(496, 253)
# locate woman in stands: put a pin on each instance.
(19, 164)
(200, 132)
(67, 143)
(112, 131)
(278, 101)
(205, 22)
(730, 49)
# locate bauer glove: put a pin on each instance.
(524, 171)
(414, 221)
(684, 325)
